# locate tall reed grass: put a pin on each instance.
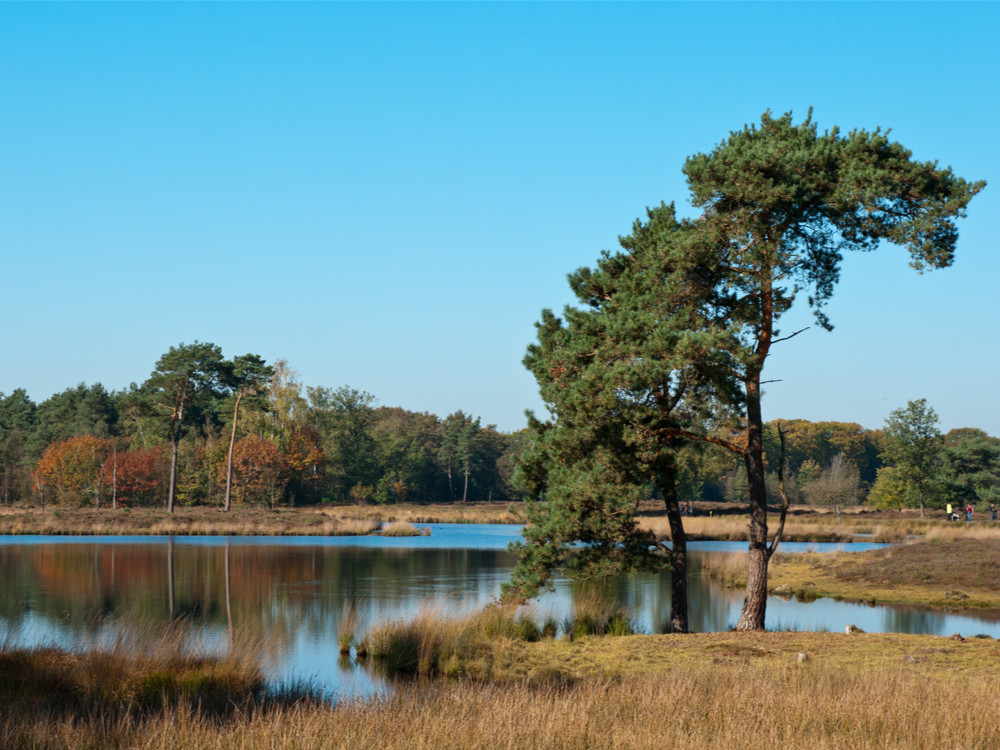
(347, 626)
(596, 613)
(141, 668)
(431, 642)
(403, 528)
(715, 706)
(728, 569)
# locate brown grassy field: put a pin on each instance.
(724, 521)
(242, 521)
(956, 573)
(811, 524)
(711, 692)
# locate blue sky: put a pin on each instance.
(387, 195)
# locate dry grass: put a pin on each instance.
(957, 574)
(433, 643)
(243, 521)
(710, 692)
(144, 669)
(950, 532)
(724, 521)
(403, 528)
(728, 569)
(735, 528)
(195, 521)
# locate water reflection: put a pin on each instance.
(68, 591)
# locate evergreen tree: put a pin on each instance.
(641, 366)
(183, 375)
(781, 203)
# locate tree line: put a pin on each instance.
(907, 463)
(204, 429)
(276, 442)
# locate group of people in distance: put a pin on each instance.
(953, 515)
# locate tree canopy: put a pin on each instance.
(779, 204)
(642, 363)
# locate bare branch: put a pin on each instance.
(727, 444)
(790, 336)
(784, 497)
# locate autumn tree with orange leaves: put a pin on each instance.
(135, 476)
(259, 471)
(71, 471)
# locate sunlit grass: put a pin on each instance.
(705, 692)
(141, 668)
(402, 528)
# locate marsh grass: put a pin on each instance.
(403, 528)
(735, 529)
(348, 527)
(195, 521)
(141, 669)
(347, 626)
(961, 573)
(708, 692)
(729, 569)
(245, 520)
(433, 643)
(595, 612)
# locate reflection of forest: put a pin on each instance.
(297, 590)
(78, 584)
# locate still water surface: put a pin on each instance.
(71, 590)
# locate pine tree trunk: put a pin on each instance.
(465, 490)
(229, 601)
(678, 557)
(173, 476)
(175, 437)
(755, 604)
(451, 490)
(229, 460)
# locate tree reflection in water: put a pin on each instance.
(295, 590)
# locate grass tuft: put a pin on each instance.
(400, 528)
(432, 643)
(347, 626)
(596, 613)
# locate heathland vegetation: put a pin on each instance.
(817, 690)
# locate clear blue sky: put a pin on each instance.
(386, 195)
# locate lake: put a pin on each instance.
(70, 591)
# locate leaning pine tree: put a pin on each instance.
(664, 336)
(640, 367)
(780, 203)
